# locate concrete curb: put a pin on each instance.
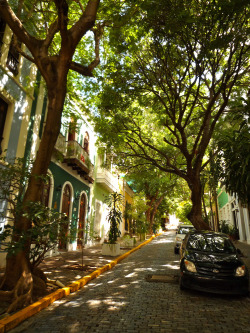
(12, 321)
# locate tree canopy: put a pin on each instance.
(158, 188)
(233, 159)
(163, 95)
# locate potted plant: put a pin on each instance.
(228, 229)
(112, 247)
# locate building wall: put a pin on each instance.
(99, 212)
(18, 92)
(234, 213)
(25, 94)
(79, 187)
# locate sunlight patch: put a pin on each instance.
(130, 275)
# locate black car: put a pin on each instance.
(210, 262)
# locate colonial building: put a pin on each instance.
(79, 179)
(233, 212)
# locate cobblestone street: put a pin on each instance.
(125, 300)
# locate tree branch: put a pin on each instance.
(81, 69)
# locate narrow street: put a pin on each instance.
(127, 299)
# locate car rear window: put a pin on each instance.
(184, 230)
(210, 243)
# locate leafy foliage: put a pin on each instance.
(163, 97)
(43, 234)
(137, 212)
(233, 160)
(228, 229)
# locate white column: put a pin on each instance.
(247, 223)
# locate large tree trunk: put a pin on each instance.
(18, 279)
(195, 215)
(154, 210)
(150, 203)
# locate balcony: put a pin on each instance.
(60, 145)
(77, 158)
(107, 180)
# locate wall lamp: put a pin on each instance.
(77, 197)
(59, 188)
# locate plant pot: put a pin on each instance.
(111, 249)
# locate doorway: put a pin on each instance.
(64, 229)
(81, 225)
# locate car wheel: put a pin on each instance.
(176, 250)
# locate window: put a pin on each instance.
(86, 142)
(46, 192)
(81, 225)
(72, 129)
(64, 228)
(13, 57)
(2, 29)
(3, 113)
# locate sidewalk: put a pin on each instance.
(69, 266)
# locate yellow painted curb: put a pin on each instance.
(12, 321)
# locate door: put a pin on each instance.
(64, 229)
(81, 226)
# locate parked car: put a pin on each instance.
(181, 232)
(211, 263)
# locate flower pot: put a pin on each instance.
(111, 249)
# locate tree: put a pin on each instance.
(163, 96)
(155, 185)
(137, 213)
(57, 39)
(233, 158)
(114, 202)
(43, 234)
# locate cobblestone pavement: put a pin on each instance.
(124, 300)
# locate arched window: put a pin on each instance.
(86, 142)
(13, 57)
(72, 130)
(81, 225)
(45, 195)
(66, 198)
